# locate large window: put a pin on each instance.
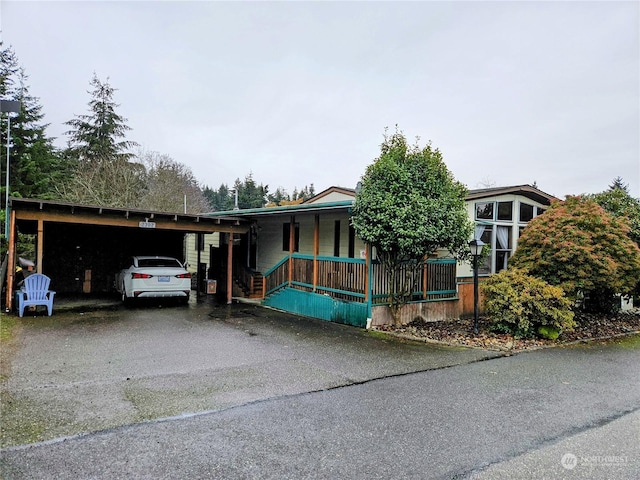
(503, 247)
(505, 211)
(484, 211)
(528, 212)
(502, 211)
(498, 238)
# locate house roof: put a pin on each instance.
(528, 191)
(29, 209)
(331, 191)
(312, 205)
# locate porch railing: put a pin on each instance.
(436, 280)
(346, 278)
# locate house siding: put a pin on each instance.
(270, 237)
(191, 254)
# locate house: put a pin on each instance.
(500, 214)
(307, 259)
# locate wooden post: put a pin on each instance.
(425, 267)
(199, 281)
(230, 270)
(40, 246)
(11, 260)
(292, 245)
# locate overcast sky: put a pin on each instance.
(300, 93)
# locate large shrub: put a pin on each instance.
(523, 305)
(577, 245)
(409, 207)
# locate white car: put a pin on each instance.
(148, 276)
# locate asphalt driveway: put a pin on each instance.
(78, 372)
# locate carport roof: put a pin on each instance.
(29, 209)
(285, 209)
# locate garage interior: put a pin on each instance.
(82, 247)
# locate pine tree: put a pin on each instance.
(100, 135)
(36, 165)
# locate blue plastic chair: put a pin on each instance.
(35, 291)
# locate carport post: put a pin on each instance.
(40, 246)
(11, 260)
(230, 270)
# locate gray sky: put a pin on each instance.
(300, 93)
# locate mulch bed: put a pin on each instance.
(459, 332)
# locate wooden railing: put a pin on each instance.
(346, 278)
(435, 280)
(277, 277)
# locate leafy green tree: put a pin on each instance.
(409, 207)
(577, 245)
(101, 134)
(619, 203)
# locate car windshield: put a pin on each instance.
(158, 262)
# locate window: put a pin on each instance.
(484, 211)
(336, 238)
(499, 241)
(526, 212)
(488, 210)
(286, 235)
(486, 238)
(505, 210)
(503, 247)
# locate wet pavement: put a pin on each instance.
(84, 370)
(245, 392)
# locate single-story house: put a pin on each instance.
(307, 259)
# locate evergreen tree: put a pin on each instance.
(618, 202)
(97, 145)
(250, 194)
(36, 165)
(100, 135)
(277, 197)
(220, 199)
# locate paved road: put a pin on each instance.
(512, 417)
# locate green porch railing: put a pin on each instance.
(346, 278)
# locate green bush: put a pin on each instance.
(525, 306)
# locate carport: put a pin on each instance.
(82, 246)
